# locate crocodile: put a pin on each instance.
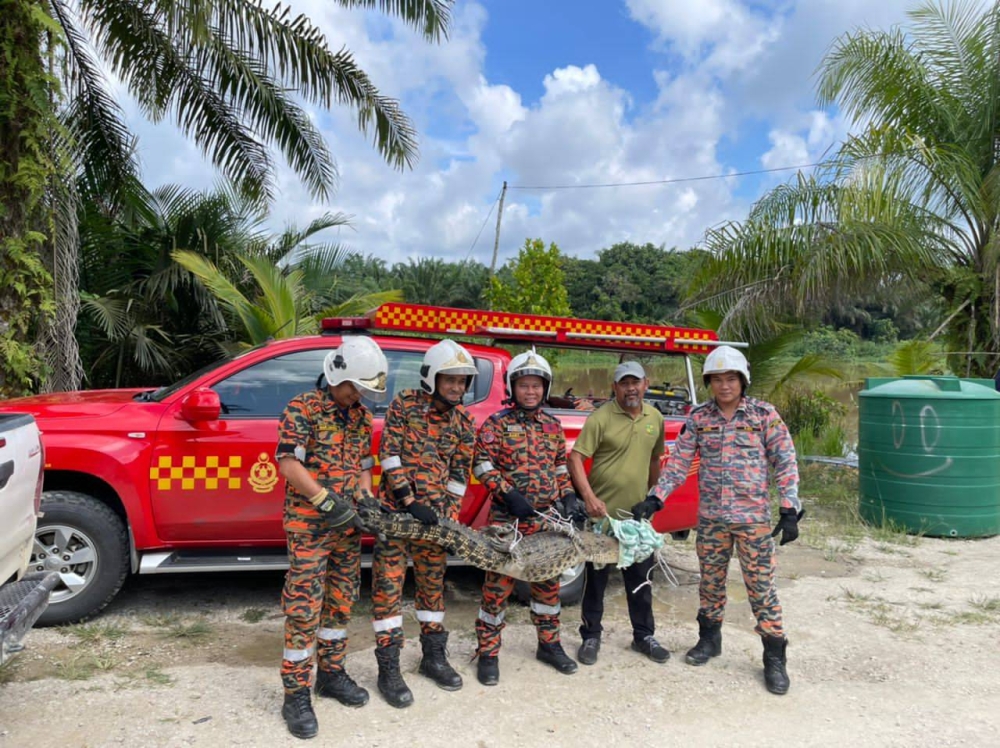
(532, 558)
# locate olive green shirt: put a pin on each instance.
(621, 447)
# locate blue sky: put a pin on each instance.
(564, 92)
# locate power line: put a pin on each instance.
(703, 178)
(485, 221)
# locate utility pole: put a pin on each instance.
(496, 240)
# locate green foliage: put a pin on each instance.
(838, 344)
(909, 208)
(915, 357)
(532, 283)
(809, 411)
(641, 283)
(27, 165)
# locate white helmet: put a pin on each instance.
(360, 361)
(726, 358)
(446, 357)
(526, 364)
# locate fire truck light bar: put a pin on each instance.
(559, 332)
(692, 341)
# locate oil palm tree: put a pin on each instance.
(230, 74)
(910, 202)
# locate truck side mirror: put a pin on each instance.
(201, 405)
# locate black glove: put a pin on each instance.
(517, 504)
(338, 512)
(422, 512)
(646, 508)
(788, 525)
(571, 507)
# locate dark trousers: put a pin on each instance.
(640, 604)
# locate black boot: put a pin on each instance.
(390, 681)
(434, 663)
(299, 715)
(337, 684)
(709, 641)
(775, 675)
(488, 670)
(553, 654)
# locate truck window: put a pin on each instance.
(264, 389)
(404, 374)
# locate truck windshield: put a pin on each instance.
(164, 392)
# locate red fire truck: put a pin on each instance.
(183, 478)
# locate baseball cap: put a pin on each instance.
(629, 369)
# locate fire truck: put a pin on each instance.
(183, 478)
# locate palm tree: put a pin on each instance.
(224, 71)
(276, 301)
(910, 202)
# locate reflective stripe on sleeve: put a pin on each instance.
(367, 463)
(392, 462)
(456, 488)
(430, 616)
(331, 635)
(545, 610)
(562, 470)
(490, 619)
(482, 469)
(297, 655)
(388, 624)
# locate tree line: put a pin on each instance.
(895, 237)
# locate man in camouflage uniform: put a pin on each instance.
(521, 459)
(324, 454)
(740, 439)
(426, 455)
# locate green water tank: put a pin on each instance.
(929, 455)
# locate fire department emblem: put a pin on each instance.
(263, 474)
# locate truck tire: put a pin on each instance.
(570, 587)
(86, 542)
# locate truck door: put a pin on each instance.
(218, 481)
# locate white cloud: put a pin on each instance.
(729, 65)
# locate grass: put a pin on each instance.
(190, 631)
(95, 633)
(853, 596)
(160, 620)
(85, 666)
(883, 615)
(934, 575)
(253, 615)
(157, 677)
(986, 603)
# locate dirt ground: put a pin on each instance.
(891, 644)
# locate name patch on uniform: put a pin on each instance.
(515, 427)
(551, 428)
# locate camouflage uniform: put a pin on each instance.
(523, 450)
(321, 586)
(734, 508)
(431, 453)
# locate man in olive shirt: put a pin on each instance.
(624, 438)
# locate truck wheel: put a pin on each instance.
(570, 587)
(86, 543)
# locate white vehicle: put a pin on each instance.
(23, 596)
